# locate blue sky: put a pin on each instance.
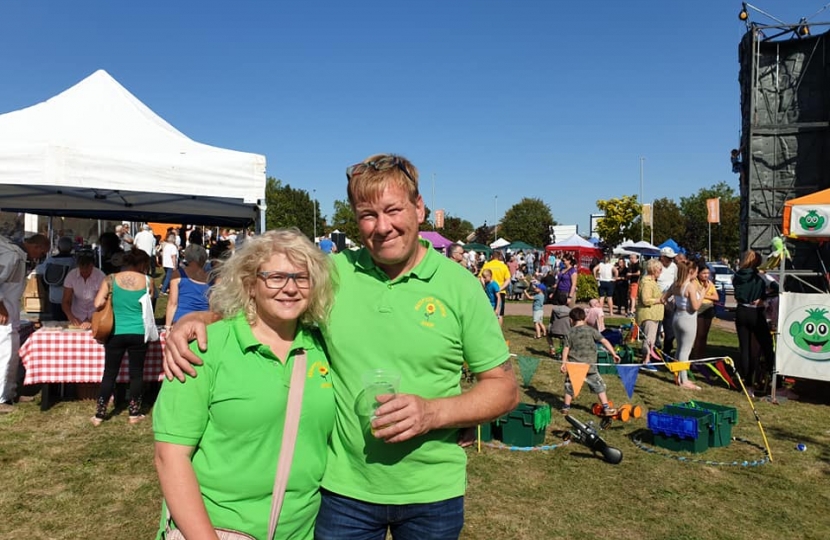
(499, 100)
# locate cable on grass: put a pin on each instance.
(746, 463)
(542, 448)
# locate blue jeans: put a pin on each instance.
(168, 273)
(342, 518)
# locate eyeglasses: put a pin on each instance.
(278, 280)
(382, 164)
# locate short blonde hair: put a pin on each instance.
(369, 183)
(238, 274)
(652, 265)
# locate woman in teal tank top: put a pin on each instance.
(126, 287)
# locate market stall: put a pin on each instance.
(96, 151)
(583, 250)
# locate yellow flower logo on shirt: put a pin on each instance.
(323, 371)
(430, 307)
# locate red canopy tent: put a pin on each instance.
(583, 250)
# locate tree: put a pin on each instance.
(528, 221)
(344, 220)
(620, 222)
(726, 235)
(483, 235)
(669, 221)
(456, 228)
(426, 225)
(289, 207)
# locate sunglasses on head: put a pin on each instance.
(381, 164)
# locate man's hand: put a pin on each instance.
(402, 417)
(177, 354)
(4, 315)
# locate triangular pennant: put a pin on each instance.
(628, 375)
(527, 367)
(703, 369)
(577, 372)
(724, 373)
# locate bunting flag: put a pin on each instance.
(628, 375)
(721, 367)
(577, 372)
(703, 369)
(527, 367)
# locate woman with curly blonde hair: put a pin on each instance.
(218, 437)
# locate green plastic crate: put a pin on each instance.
(524, 426)
(724, 418)
(675, 443)
(604, 358)
(627, 355)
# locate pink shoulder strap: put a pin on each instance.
(289, 438)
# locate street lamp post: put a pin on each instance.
(314, 210)
(433, 201)
(642, 217)
(496, 218)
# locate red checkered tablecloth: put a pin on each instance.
(58, 356)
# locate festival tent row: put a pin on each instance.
(96, 151)
(480, 248)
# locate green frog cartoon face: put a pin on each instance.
(813, 333)
(812, 221)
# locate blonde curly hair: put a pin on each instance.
(238, 274)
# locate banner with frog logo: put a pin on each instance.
(810, 220)
(804, 336)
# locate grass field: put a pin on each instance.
(65, 479)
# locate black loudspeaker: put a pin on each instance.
(339, 240)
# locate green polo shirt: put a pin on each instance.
(424, 324)
(233, 413)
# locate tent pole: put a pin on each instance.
(52, 242)
(261, 210)
(100, 255)
(782, 279)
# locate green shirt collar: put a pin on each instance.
(245, 336)
(424, 270)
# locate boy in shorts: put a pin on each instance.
(580, 346)
(535, 293)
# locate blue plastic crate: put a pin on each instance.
(680, 429)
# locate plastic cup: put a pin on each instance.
(377, 382)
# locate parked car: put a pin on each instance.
(722, 276)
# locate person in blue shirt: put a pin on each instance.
(327, 245)
(492, 289)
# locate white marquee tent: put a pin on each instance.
(96, 151)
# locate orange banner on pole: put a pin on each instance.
(648, 215)
(439, 219)
(713, 210)
(577, 373)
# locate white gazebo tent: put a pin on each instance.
(500, 243)
(96, 151)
